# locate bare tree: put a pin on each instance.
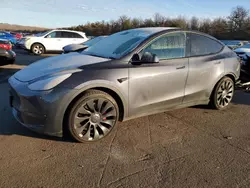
(237, 18)
(124, 22)
(159, 19)
(236, 26)
(149, 23)
(194, 23)
(219, 26)
(205, 26)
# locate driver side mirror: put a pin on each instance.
(146, 58)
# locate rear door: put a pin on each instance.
(71, 38)
(206, 64)
(77, 38)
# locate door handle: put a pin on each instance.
(182, 67)
(216, 63)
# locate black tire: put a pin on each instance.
(72, 126)
(6, 61)
(218, 97)
(37, 49)
(12, 61)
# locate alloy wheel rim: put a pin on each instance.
(38, 49)
(225, 93)
(95, 119)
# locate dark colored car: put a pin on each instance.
(128, 74)
(245, 67)
(7, 56)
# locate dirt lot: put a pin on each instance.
(192, 147)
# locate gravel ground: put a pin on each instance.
(191, 147)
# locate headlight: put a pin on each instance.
(48, 83)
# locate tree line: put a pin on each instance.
(234, 27)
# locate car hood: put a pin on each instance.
(56, 64)
(73, 47)
(242, 50)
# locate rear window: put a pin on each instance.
(200, 45)
(66, 34)
(4, 42)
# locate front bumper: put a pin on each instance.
(42, 111)
(23, 117)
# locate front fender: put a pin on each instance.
(102, 84)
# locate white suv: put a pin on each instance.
(53, 40)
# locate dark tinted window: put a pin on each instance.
(200, 45)
(4, 42)
(76, 35)
(66, 34)
(169, 46)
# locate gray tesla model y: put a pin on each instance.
(128, 74)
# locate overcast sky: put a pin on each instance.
(60, 13)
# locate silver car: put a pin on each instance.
(128, 74)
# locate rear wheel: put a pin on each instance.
(93, 116)
(37, 49)
(222, 94)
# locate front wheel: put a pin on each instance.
(93, 116)
(37, 49)
(223, 94)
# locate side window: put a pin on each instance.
(2, 34)
(51, 35)
(169, 46)
(201, 45)
(58, 34)
(76, 35)
(66, 34)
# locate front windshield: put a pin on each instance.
(93, 41)
(119, 44)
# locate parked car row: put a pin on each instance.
(233, 44)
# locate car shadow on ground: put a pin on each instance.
(12, 127)
(7, 70)
(240, 98)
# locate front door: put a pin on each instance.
(155, 87)
(53, 41)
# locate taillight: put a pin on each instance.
(6, 46)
